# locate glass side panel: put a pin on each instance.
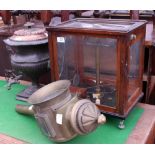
(78, 61)
(66, 58)
(134, 63)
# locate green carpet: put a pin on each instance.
(25, 127)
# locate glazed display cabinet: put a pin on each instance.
(103, 59)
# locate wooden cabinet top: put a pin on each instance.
(102, 26)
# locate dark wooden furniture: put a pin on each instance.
(6, 16)
(103, 56)
(46, 16)
(149, 69)
(134, 14)
(118, 14)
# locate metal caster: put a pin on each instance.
(121, 124)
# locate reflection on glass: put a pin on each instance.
(134, 59)
(77, 62)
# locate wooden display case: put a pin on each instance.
(104, 57)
